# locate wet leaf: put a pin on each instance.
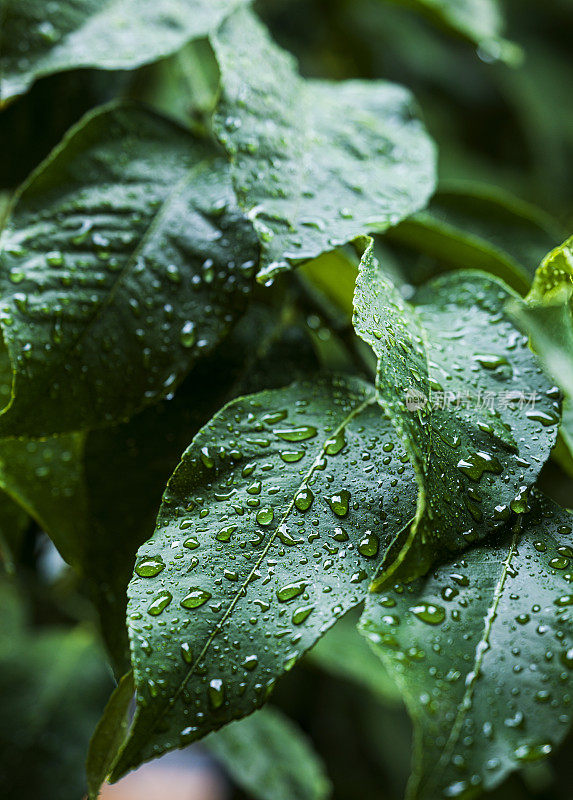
(482, 650)
(38, 39)
(124, 261)
(272, 526)
(269, 757)
(315, 163)
(97, 494)
(467, 397)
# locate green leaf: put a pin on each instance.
(482, 650)
(270, 529)
(344, 654)
(314, 163)
(481, 228)
(124, 261)
(474, 463)
(270, 758)
(38, 40)
(478, 21)
(97, 494)
(53, 684)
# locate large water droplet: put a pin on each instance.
(150, 566)
(301, 613)
(476, 464)
(429, 613)
(195, 598)
(187, 336)
(533, 752)
(335, 444)
(265, 516)
(159, 602)
(291, 590)
(298, 434)
(368, 545)
(339, 502)
(216, 693)
(303, 499)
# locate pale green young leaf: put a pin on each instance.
(109, 734)
(476, 455)
(548, 318)
(39, 38)
(272, 526)
(482, 650)
(124, 261)
(314, 163)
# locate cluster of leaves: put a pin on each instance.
(194, 275)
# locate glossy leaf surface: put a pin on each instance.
(124, 261)
(38, 38)
(271, 527)
(482, 650)
(315, 163)
(458, 380)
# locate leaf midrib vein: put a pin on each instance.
(481, 649)
(370, 400)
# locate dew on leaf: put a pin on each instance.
(265, 516)
(368, 545)
(195, 597)
(429, 613)
(159, 603)
(339, 502)
(303, 499)
(150, 566)
(298, 434)
(291, 590)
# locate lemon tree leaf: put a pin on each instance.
(482, 650)
(97, 494)
(125, 260)
(458, 381)
(270, 529)
(37, 39)
(270, 758)
(314, 163)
